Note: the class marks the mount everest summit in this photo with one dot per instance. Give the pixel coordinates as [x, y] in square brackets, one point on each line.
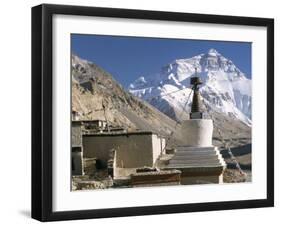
[225, 90]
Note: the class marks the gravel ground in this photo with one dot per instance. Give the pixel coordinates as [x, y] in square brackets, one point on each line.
[234, 176]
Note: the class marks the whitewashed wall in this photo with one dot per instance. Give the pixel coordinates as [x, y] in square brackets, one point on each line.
[133, 150]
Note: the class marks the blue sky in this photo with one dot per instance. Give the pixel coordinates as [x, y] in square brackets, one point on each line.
[128, 58]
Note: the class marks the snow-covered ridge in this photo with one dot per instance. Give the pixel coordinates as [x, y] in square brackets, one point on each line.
[226, 89]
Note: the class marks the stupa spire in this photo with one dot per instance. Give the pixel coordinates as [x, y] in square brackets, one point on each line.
[196, 107]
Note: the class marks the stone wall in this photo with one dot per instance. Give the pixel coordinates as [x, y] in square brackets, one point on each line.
[216, 179]
[158, 145]
[77, 149]
[156, 178]
[133, 150]
[89, 166]
[76, 134]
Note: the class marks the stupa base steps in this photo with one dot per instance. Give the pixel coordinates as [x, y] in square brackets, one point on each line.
[198, 165]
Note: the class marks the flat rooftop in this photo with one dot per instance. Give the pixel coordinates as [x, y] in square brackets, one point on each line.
[121, 133]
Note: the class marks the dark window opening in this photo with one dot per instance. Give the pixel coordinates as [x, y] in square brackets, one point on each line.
[72, 164]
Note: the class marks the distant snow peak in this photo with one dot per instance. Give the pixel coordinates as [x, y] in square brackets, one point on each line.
[140, 82]
[226, 89]
[213, 52]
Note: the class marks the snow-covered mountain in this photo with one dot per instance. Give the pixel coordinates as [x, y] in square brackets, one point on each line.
[225, 88]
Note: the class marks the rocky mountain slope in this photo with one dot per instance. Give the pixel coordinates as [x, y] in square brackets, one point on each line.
[93, 88]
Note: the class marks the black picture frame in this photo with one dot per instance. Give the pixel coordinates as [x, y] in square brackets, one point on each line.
[42, 111]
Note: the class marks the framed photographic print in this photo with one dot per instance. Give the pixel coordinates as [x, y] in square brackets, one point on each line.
[145, 112]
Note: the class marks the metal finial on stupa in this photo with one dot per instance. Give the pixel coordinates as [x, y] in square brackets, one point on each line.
[196, 107]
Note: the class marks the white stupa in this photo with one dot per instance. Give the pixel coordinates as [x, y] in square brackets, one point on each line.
[198, 160]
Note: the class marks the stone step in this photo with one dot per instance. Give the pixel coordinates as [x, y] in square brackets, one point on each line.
[188, 148]
[189, 153]
[178, 166]
[194, 153]
[185, 161]
[194, 157]
[197, 152]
